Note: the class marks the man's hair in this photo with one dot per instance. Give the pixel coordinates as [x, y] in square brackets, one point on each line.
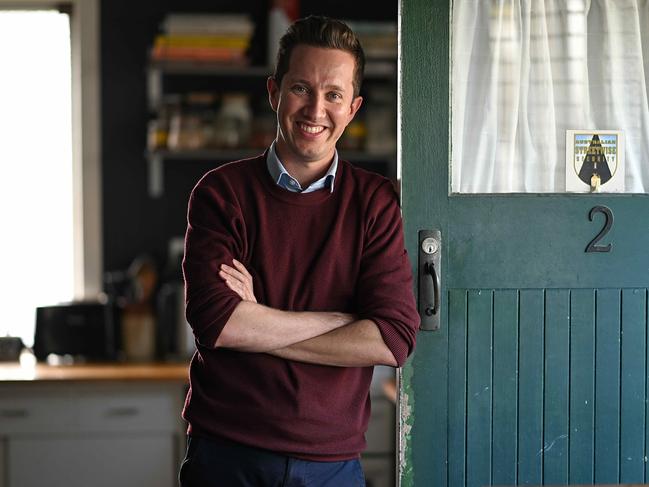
[323, 32]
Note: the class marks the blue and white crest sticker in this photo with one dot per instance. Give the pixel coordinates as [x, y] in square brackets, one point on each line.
[595, 161]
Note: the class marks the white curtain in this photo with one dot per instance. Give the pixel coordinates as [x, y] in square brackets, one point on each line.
[525, 71]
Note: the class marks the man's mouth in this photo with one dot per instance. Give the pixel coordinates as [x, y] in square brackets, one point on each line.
[310, 129]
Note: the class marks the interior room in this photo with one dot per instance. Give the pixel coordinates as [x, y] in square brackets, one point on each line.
[94, 360]
[512, 139]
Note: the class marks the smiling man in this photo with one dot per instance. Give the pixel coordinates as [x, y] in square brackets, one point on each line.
[297, 284]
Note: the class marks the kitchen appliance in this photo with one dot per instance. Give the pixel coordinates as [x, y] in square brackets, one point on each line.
[10, 348]
[85, 330]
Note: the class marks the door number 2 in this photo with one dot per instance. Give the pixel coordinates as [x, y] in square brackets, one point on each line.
[608, 223]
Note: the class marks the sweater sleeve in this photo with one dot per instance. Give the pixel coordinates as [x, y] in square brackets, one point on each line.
[215, 235]
[385, 288]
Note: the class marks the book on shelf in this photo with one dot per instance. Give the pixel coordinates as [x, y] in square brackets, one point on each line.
[200, 54]
[379, 39]
[208, 24]
[209, 38]
[193, 40]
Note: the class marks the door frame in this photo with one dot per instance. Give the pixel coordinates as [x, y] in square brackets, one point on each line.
[423, 136]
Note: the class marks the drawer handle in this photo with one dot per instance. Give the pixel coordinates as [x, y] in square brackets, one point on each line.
[122, 412]
[14, 413]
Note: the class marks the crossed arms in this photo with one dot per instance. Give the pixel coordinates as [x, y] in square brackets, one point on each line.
[325, 338]
[224, 313]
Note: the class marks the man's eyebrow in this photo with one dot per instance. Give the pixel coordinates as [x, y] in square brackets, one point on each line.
[335, 87]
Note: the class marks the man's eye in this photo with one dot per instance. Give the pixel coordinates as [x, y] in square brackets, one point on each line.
[299, 89]
[335, 96]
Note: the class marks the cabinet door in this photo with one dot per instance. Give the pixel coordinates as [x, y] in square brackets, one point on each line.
[98, 461]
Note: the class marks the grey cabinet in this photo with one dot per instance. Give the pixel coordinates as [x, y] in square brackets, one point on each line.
[99, 434]
[98, 460]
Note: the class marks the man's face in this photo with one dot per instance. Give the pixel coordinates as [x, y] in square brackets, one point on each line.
[314, 104]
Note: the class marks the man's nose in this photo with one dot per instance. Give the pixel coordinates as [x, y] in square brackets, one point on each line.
[315, 107]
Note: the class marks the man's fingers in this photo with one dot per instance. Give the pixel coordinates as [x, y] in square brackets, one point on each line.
[237, 288]
[233, 273]
[241, 268]
[242, 290]
[238, 280]
[232, 287]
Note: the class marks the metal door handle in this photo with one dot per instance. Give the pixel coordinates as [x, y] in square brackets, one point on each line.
[429, 279]
[430, 270]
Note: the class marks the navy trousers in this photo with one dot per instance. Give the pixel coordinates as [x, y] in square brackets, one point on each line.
[212, 463]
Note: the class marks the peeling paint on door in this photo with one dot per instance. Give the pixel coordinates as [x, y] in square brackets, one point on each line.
[405, 423]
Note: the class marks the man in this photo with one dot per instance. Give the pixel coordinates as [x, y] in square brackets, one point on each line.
[297, 283]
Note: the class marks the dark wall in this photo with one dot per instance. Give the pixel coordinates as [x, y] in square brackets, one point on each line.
[133, 222]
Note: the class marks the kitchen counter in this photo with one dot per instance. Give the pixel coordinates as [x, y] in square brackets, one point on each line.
[99, 424]
[13, 372]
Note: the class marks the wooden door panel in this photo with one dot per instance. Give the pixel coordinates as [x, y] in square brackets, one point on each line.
[582, 386]
[457, 357]
[479, 392]
[505, 385]
[556, 386]
[607, 386]
[526, 370]
[633, 377]
[530, 386]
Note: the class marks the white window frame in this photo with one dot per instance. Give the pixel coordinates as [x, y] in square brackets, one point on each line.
[86, 139]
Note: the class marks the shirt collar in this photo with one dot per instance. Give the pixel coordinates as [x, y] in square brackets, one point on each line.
[283, 179]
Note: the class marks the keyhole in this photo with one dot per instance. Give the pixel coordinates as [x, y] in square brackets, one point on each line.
[429, 245]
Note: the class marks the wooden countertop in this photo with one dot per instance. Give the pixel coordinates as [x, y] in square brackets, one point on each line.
[15, 372]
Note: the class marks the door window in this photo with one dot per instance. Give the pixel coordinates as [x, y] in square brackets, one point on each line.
[541, 91]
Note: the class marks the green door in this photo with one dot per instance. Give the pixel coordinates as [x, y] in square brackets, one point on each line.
[538, 372]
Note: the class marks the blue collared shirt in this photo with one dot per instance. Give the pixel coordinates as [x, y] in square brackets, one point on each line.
[284, 180]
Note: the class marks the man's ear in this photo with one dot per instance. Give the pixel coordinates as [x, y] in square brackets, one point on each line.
[273, 92]
[356, 104]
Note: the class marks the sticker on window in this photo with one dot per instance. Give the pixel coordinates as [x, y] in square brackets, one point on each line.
[594, 161]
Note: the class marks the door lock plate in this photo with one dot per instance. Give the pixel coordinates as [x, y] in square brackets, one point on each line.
[429, 268]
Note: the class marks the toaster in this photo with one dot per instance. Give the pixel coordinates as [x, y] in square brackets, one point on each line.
[84, 330]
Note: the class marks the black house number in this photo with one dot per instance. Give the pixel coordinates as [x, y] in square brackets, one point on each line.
[608, 223]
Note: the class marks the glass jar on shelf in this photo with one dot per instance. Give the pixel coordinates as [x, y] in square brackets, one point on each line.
[158, 127]
[191, 126]
[233, 122]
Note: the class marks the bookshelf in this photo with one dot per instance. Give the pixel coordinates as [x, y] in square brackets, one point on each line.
[172, 84]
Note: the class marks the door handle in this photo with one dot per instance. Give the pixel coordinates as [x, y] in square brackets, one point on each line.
[429, 279]
[430, 269]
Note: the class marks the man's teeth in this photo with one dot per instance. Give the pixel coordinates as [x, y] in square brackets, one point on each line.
[311, 130]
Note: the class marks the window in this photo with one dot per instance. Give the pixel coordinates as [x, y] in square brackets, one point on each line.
[49, 182]
[526, 72]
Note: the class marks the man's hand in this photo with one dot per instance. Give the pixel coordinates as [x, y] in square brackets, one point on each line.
[239, 280]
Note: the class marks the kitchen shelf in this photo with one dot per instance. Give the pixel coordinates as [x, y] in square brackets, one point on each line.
[163, 74]
[374, 70]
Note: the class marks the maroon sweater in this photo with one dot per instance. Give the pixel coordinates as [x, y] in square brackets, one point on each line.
[321, 251]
